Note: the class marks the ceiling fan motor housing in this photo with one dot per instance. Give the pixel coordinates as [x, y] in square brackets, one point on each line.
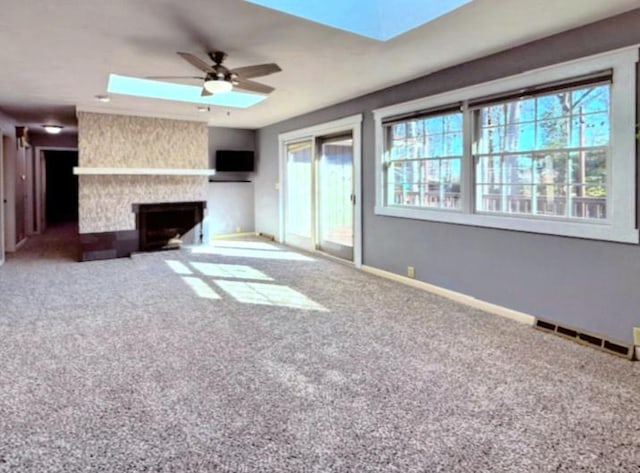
[217, 56]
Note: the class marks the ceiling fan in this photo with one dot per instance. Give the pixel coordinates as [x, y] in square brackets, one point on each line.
[219, 79]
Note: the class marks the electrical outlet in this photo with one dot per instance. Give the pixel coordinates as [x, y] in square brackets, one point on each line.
[277, 186]
[636, 336]
[238, 229]
[411, 272]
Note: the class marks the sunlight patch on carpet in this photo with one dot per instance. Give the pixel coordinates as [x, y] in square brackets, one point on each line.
[178, 267]
[201, 288]
[235, 271]
[250, 245]
[250, 253]
[268, 294]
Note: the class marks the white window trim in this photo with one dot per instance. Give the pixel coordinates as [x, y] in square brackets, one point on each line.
[621, 204]
[351, 123]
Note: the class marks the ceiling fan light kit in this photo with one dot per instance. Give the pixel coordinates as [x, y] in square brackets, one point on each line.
[218, 86]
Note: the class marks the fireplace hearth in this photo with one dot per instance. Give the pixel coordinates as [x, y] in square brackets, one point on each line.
[160, 226]
[165, 226]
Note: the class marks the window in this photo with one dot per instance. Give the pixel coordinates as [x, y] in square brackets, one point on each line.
[548, 151]
[425, 161]
[546, 155]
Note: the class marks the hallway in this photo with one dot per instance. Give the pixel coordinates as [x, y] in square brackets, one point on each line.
[59, 243]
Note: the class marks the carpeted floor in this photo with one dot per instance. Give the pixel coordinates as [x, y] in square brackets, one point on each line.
[248, 357]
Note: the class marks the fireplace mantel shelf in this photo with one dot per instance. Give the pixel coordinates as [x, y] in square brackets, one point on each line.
[143, 171]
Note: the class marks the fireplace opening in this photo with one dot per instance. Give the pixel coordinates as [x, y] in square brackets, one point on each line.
[165, 226]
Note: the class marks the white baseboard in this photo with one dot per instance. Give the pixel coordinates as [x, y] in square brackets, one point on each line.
[455, 296]
[20, 244]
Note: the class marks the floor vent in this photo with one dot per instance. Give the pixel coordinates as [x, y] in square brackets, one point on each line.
[586, 338]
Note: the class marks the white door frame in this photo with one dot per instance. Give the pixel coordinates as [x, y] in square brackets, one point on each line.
[30, 194]
[40, 184]
[8, 193]
[351, 124]
[2, 216]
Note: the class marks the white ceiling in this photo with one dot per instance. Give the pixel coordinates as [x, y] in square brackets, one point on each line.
[55, 56]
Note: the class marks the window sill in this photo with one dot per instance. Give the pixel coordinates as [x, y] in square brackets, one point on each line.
[588, 230]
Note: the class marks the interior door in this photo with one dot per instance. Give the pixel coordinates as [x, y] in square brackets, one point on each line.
[335, 196]
[299, 190]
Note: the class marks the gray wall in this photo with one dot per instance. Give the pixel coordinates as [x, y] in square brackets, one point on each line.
[229, 138]
[63, 140]
[589, 284]
[230, 196]
[229, 208]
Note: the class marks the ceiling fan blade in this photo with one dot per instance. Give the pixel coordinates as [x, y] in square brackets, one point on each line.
[258, 70]
[251, 86]
[196, 62]
[174, 78]
[205, 93]
[183, 22]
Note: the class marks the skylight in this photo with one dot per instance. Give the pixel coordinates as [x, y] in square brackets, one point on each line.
[178, 92]
[377, 19]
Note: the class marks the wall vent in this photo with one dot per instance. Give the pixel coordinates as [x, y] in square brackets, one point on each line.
[586, 338]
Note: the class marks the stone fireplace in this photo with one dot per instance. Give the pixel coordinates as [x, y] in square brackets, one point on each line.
[139, 172]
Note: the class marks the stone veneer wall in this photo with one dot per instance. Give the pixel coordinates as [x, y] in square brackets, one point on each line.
[120, 141]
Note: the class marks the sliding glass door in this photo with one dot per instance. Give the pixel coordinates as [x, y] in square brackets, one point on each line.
[319, 195]
[299, 191]
[335, 196]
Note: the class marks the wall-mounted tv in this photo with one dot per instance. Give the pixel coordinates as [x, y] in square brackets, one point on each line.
[234, 161]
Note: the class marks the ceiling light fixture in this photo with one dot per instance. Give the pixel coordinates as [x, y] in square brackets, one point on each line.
[53, 129]
[217, 86]
[103, 98]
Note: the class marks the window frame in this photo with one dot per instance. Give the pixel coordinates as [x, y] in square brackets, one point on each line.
[620, 224]
[604, 78]
[423, 158]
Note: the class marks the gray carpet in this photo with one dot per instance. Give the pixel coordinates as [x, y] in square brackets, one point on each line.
[120, 366]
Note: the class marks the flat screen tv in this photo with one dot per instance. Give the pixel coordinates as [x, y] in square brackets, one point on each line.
[234, 161]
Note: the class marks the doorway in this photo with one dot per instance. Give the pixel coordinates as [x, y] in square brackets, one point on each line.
[60, 187]
[320, 172]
